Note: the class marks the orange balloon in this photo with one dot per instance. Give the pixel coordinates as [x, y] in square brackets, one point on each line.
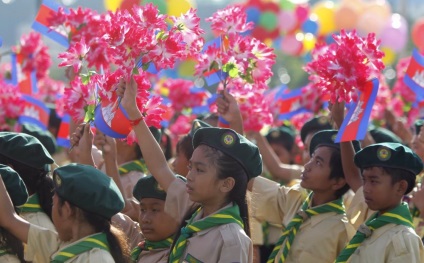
[347, 16]
[374, 17]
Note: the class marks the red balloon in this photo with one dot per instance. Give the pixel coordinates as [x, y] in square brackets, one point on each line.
[418, 34]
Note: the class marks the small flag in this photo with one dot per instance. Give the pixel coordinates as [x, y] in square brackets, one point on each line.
[27, 82]
[41, 23]
[414, 76]
[215, 76]
[355, 124]
[35, 112]
[289, 103]
[63, 133]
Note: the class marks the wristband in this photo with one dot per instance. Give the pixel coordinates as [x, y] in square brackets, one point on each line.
[136, 121]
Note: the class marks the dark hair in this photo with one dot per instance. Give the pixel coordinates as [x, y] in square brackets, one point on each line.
[118, 243]
[185, 146]
[36, 181]
[398, 175]
[12, 244]
[226, 167]
[337, 170]
[167, 143]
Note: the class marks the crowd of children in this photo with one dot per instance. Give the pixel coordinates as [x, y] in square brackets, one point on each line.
[225, 196]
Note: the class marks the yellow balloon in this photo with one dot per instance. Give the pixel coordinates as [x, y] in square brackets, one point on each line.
[309, 42]
[389, 56]
[178, 7]
[112, 5]
[325, 12]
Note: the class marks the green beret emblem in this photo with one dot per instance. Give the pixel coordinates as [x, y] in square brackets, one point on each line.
[275, 134]
[228, 139]
[333, 137]
[322, 120]
[383, 154]
[57, 180]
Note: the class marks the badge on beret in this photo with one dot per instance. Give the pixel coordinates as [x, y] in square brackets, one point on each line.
[57, 180]
[275, 134]
[383, 154]
[333, 137]
[228, 139]
[322, 120]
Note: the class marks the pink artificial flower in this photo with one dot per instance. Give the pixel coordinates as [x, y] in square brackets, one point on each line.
[147, 17]
[74, 56]
[12, 106]
[231, 19]
[77, 98]
[49, 89]
[153, 111]
[184, 95]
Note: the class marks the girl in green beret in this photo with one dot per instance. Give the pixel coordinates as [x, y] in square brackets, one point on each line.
[211, 206]
[84, 201]
[11, 248]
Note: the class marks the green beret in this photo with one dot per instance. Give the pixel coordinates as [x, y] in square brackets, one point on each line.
[318, 123]
[148, 187]
[380, 135]
[326, 138]
[197, 124]
[14, 185]
[282, 135]
[89, 189]
[157, 133]
[389, 155]
[418, 124]
[24, 148]
[232, 144]
[45, 137]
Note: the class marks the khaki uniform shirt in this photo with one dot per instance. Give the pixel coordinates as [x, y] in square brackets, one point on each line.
[390, 243]
[9, 259]
[45, 243]
[224, 243]
[320, 238]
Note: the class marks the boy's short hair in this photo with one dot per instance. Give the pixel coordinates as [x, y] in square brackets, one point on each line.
[397, 160]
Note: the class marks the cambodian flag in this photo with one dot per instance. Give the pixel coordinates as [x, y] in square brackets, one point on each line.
[27, 82]
[414, 77]
[288, 103]
[355, 124]
[41, 23]
[35, 112]
[63, 133]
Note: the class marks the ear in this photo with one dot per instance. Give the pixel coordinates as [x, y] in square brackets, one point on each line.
[401, 187]
[67, 210]
[338, 183]
[227, 184]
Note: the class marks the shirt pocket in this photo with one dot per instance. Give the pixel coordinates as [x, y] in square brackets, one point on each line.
[190, 259]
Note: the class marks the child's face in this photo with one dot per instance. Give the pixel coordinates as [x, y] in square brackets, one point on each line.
[203, 185]
[155, 224]
[282, 153]
[61, 221]
[379, 192]
[316, 173]
[417, 146]
[180, 163]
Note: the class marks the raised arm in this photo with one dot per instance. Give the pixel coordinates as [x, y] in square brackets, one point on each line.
[277, 169]
[352, 173]
[8, 217]
[152, 153]
[230, 111]
[83, 138]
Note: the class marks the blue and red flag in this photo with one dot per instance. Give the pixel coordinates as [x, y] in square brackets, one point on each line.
[355, 124]
[288, 103]
[35, 112]
[215, 76]
[63, 133]
[41, 23]
[414, 76]
[27, 82]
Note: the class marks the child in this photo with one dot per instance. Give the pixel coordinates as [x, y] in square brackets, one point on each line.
[31, 160]
[213, 199]
[157, 226]
[388, 171]
[12, 249]
[316, 124]
[84, 201]
[316, 229]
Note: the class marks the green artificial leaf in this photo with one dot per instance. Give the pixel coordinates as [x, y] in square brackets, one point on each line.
[231, 69]
[89, 113]
[135, 70]
[85, 78]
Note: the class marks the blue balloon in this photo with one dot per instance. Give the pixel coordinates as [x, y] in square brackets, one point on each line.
[310, 26]
[253, 14]
[329, 39]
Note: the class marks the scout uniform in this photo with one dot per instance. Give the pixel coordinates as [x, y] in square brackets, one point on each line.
[28, 150]
[310, 234]
[18, 194]
[218, 237]
[387, 237]
[90, 190]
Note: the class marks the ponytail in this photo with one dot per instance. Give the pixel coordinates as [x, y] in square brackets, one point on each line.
[37, 181]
